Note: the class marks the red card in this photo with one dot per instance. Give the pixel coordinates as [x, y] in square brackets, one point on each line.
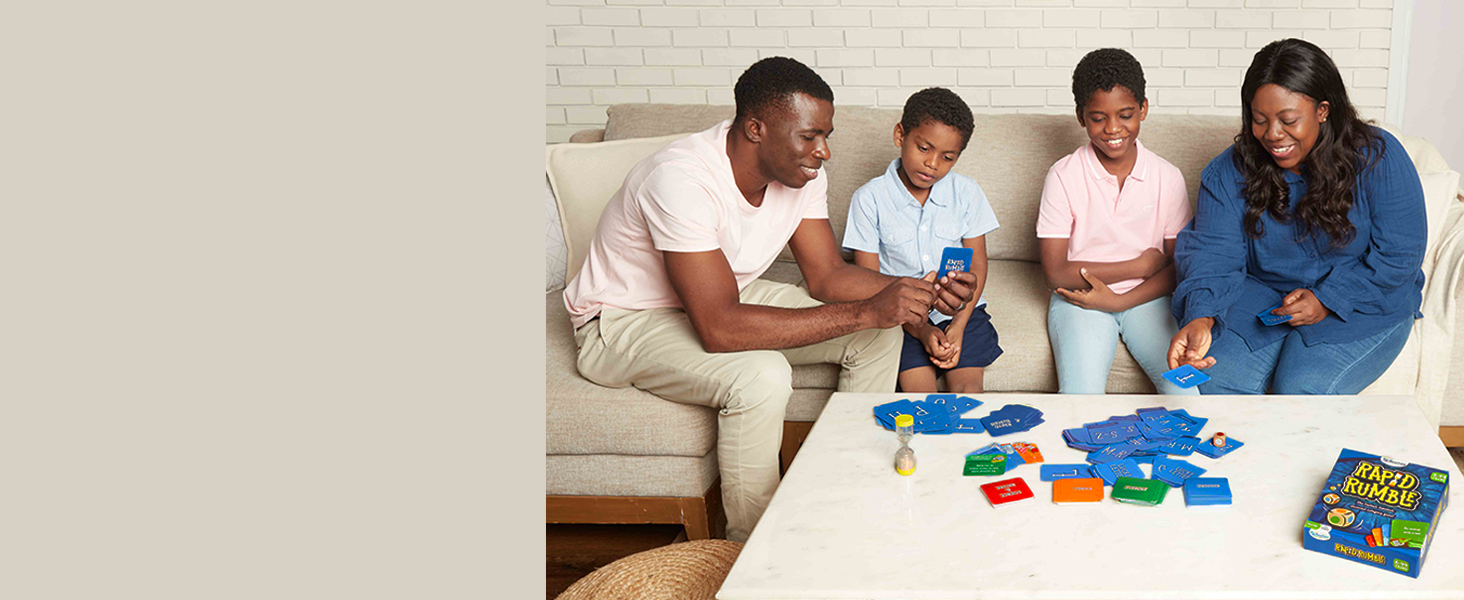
[1007, 491]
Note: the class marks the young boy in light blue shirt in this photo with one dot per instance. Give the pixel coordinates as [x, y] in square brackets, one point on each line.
[902, 221]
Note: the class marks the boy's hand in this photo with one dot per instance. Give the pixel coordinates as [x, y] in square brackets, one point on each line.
[936, 344]
[1099, 297]
[1303, 306]
[954, 339]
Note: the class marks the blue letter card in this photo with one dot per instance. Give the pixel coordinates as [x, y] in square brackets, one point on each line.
[1270, 319]
[1186, 376]
[954, 259]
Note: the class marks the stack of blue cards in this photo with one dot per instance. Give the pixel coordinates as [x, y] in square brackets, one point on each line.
[1012, 418]
[936, 414]
[1207, 491]
[1143, 437]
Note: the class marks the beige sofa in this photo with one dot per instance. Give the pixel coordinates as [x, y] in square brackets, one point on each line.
[624, 455]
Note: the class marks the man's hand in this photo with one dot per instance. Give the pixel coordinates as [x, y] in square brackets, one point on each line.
[953, 291]
[937, 345]
[1154, 261]
[1098, 297]
[905, 301]
[1303, 306]
[1191, 344]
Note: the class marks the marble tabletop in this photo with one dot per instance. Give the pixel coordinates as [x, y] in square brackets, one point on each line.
[843, 524]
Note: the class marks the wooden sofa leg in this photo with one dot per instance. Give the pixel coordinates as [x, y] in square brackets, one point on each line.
[1453, 437]
[794, 432]
[694, 519]
[703, 517]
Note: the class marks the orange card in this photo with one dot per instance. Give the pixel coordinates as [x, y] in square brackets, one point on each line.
[1070, 491]
[1028, 452]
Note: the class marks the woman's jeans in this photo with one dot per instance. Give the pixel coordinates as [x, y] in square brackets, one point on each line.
[1289, 366]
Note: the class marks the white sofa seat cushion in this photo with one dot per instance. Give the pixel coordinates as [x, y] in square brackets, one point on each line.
[615, 475]
[583, 417]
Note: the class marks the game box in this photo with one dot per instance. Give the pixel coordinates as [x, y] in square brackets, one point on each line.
[1377, 511]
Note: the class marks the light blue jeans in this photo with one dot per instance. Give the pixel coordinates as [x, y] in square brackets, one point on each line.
[1084, 342]
[1288, 366]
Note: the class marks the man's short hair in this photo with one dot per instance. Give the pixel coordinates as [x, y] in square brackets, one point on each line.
[942, 106]
[1103, 69]
[771, 83]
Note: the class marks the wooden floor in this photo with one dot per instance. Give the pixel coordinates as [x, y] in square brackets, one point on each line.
[575, 550]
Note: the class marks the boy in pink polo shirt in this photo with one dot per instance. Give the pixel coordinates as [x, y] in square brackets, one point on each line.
[1106, 228]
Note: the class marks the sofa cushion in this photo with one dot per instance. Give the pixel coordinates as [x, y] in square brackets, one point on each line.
[614, 475]
[583, 178]
[583, 417]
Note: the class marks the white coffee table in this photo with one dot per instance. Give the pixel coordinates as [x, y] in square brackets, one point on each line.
[843, 524]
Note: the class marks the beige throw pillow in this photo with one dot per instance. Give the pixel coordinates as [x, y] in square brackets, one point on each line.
[584, 177]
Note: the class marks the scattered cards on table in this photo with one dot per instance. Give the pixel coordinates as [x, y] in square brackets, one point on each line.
[940, 414]
[1117, 445]
[936, 414]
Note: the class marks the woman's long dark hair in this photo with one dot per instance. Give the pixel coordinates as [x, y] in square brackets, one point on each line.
[1344, 145]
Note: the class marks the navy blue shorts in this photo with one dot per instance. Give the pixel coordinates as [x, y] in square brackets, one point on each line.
[979, 346]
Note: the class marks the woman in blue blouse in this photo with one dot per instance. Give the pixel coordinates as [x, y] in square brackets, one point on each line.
[1311, 210]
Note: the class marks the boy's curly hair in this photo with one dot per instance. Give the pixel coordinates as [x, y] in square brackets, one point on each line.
[772, 81]
[1103, 69]
[942, 106]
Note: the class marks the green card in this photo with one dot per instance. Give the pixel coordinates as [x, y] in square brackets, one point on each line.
[985, 464]
[1132, 490]
[1410, 531]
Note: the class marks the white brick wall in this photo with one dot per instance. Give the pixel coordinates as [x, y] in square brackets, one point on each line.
[1000, 55]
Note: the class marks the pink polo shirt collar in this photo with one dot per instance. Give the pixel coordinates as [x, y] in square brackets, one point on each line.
[1098, 173]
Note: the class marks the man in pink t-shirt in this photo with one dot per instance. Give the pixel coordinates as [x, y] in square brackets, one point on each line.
[669, 298]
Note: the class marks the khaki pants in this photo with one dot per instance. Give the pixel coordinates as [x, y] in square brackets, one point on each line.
[658, 351]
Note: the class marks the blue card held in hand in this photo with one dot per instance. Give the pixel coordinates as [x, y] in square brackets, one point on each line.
[1269, 319]
[954, 259]
[1186, 376]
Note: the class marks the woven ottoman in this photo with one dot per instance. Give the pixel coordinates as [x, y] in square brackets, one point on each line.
[686, 571]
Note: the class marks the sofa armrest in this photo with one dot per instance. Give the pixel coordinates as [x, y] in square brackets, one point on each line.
[1443, 286]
